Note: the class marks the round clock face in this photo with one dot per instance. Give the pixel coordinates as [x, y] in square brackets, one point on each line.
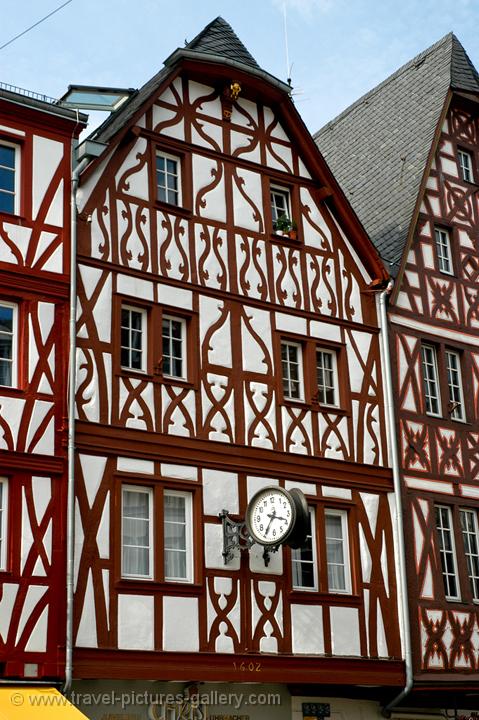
[270, 516]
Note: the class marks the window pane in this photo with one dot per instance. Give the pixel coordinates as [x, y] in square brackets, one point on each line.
[173, 347]
[454, 381]
[176, 534]
[7, 156]
[7, 202]
[136, 532]
[471, 548]
[335, 552]
[304, 560]
[446, 551]
[132, 333]
[7, 179]
[431, 386]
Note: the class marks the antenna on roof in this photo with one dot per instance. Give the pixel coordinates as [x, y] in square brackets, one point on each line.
[288, 66]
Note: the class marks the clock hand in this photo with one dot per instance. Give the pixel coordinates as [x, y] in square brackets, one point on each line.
[269, 524]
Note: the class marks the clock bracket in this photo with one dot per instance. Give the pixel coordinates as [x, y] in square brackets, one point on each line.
[236, 536]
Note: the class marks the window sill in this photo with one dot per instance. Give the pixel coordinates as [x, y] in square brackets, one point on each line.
[12, 391]
[173, 209]
[313, 597]
[156, 378]
[315, 407]
[285, 240]
[164, 587]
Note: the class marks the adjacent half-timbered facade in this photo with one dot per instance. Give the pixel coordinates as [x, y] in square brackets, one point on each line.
[428, 229]
[223, 348]
[35, 168]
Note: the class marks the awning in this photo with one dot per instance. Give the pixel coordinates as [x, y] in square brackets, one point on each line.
[27, 702]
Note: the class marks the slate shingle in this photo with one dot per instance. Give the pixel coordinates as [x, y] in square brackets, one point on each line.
[378, 147]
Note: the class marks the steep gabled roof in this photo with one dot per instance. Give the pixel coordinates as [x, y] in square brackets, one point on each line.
[217, 41]
[219, 38]
[378, 147]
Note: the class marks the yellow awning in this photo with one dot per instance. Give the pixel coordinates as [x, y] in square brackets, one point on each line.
[27, 702]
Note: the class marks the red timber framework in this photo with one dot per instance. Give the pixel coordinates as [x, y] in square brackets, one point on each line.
[435, 318]
[434, 334]
[35, 147]
[196, 260]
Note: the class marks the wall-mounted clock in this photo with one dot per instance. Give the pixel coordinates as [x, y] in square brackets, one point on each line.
[275, 516]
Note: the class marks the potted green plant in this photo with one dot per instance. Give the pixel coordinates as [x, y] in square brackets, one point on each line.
[282, 225]
[293, 232]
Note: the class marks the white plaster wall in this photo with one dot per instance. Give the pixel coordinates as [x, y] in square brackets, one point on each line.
[220, 492]
[307, 629]
[136, 622]
[180, 624]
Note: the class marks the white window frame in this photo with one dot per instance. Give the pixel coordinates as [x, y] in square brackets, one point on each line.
[177, 160]
[144, 337]
[465, 163]
[14, 307]
[466, 533]
[458, 413]
[184, 347]
[4, 523]
[343, 514]
[285, 193]
[333, 354]
[16, 199]
[296, 559]
[443, 251]
[299, 348]
[188, 535]
[442, 552]
[148, 491]
[431, 381]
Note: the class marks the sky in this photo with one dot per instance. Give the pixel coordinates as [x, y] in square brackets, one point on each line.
[338, 49]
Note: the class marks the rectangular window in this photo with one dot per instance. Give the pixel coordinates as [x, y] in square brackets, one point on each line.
[430, 378]
[454, 383]
[337, 550]
[133, 338]
[443, 250]
[471, 547]
[178, 545]
[291, 362]
[137, 532]
[279, 203]
[168, 178]
[304, 561]
[9, 177]
[447, 552]
[8, 344]
[174, 347]
[3, 522]
[465, 163]
[326, 375]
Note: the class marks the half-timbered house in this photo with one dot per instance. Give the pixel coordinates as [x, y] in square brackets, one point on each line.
[36, 138]
[228, 340]
[407, 156]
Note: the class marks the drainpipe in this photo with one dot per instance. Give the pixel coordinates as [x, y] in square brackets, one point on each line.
[71, 423]
[401, 555]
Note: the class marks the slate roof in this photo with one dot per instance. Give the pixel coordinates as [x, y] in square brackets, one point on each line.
[217, 39]
[378, 147]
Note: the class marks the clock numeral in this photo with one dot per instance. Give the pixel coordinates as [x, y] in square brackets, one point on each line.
[281, 529]
[260, 509]
[258, 518]
[274, 533]
[261, 528]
